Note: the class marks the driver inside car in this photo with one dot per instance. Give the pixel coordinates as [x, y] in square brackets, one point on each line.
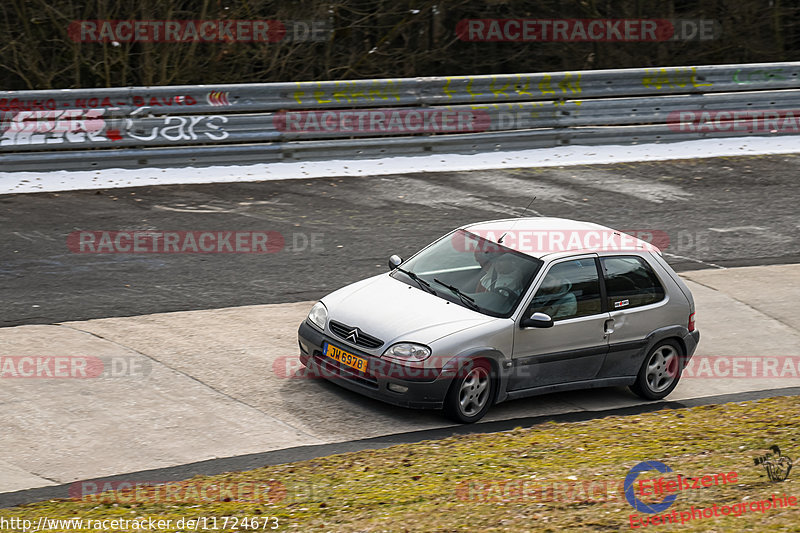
[502, 273]
[554, 298]
[484, 259]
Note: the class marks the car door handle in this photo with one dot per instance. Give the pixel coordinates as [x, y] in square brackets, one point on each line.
[608, 327]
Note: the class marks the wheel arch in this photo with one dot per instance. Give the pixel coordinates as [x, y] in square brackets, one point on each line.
[676, 333]
[495, 358]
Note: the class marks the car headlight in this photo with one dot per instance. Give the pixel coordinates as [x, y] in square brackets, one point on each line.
[318, 315]
[407, 351]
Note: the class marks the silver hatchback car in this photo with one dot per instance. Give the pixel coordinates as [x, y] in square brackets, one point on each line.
[507, 309]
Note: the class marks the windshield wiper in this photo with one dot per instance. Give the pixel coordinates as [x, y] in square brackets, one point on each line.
[466, 300]
[424, 285]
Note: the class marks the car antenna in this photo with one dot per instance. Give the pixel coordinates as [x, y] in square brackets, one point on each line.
[500, 240]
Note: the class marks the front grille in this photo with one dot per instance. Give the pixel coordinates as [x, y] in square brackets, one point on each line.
[363, 340]
[332, 369]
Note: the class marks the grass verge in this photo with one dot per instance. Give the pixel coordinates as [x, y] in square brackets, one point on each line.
[550, 477]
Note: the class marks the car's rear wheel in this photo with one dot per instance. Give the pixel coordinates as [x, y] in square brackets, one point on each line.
[471, 393]
[660, 371]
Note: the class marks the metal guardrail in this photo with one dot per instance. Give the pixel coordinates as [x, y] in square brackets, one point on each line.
[249, 123]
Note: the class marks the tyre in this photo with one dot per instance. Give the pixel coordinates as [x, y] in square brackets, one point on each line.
[660, 372]
[471, 394]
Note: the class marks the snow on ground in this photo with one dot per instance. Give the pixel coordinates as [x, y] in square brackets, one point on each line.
[62, 180]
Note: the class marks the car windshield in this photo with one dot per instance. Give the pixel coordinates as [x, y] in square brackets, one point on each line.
[471, 271]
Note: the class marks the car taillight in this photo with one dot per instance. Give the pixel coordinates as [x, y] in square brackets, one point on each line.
[691, 322]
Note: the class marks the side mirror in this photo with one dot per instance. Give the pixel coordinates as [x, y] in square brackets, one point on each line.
[395, 261]
[537, 320]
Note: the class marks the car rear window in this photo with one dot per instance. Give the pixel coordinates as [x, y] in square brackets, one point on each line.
[630, 282]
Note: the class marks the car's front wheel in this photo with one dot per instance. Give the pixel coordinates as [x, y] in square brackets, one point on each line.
[660, 371]
[471, 393]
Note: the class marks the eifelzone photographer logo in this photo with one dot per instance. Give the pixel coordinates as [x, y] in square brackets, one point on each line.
[639, 493]
[777, 466]
[630, 494]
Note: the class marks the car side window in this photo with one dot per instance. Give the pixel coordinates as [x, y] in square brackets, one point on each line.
[630, 282]
[569, 290]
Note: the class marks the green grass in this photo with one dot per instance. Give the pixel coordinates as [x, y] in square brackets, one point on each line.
[456, 484]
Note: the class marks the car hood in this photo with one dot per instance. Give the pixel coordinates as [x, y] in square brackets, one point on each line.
[394, 311]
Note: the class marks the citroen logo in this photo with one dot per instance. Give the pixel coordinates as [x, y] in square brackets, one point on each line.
[352, 336]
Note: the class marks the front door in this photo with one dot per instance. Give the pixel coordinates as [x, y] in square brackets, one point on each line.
[574, 348]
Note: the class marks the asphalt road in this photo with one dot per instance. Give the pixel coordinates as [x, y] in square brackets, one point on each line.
[717, 212]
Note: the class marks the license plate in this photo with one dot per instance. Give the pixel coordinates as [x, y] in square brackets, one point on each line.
[347, 359]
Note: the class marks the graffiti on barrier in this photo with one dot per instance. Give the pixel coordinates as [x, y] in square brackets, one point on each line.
[349, 92]
[179, 128]
[100, 126]
[660, 78]
[51, 104]
[544, 85]
[758, 76]
[53, 127]
[218, 98]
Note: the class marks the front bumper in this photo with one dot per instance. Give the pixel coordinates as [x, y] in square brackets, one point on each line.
[425, 388]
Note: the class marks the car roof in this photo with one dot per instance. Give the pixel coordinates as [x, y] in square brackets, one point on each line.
[542, 237]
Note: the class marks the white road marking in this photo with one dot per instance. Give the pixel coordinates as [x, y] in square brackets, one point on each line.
[527, 186]
[738, 228]
[694, 260]
[647, 188]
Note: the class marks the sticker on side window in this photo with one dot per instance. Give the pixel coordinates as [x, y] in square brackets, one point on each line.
[621, 303]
